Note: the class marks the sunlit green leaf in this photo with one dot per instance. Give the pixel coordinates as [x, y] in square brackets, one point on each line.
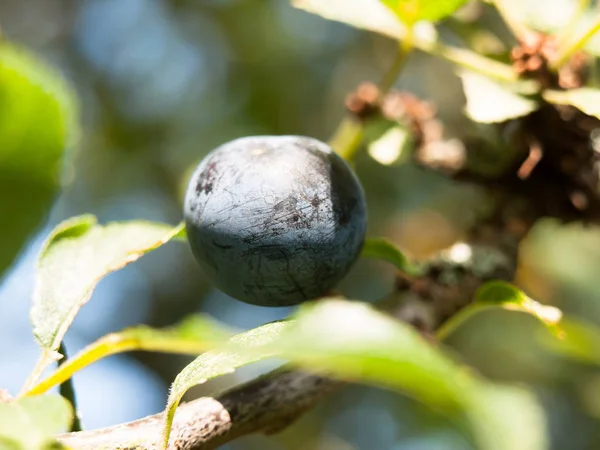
[411, 11]
[380, 248]
[217, 363]
[370, 15]
[489, 101]
[75, 257]
[568, 336]
[31, 423]
[355, 342]
[586, 100]
[37, 127]
[192, 336]
[181, 235]
[500, 294]
[579, 340]
[510, 297]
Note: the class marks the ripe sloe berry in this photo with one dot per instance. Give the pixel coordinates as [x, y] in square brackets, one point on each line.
[275, 220]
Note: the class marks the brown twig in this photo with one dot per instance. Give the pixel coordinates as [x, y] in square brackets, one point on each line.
[267, 404]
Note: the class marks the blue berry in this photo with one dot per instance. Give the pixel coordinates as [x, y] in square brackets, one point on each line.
[275, 220]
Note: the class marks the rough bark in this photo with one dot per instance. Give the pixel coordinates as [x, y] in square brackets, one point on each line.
[267, 404]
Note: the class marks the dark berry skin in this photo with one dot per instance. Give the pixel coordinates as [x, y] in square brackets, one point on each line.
[275, 220]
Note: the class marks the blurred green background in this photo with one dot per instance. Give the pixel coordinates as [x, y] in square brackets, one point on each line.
[160, 84]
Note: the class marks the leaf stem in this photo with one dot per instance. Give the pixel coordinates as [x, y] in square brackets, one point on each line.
[568, 49]
[389, 78]
[458, 319]
[349, 134]
[472, 61]
[67, 390]
[112, 344]
[37, 372]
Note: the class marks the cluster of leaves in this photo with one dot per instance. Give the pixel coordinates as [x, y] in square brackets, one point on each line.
[337, 337]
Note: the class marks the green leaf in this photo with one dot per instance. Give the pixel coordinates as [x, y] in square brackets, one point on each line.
[37, 127]
[192, 336]
[586, 100]
[220, 362]
[370, 15]
[489, 101]
[500, 294]
[355, 342]
[31, 423]
[75, 257]
[571, 337]
[579, 341]
[181, 235]
[380, 248]
[411, 11]
[510, 297]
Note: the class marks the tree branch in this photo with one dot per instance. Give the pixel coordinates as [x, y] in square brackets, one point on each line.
[265, 405]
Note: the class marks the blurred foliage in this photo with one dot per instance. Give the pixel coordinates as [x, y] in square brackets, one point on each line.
[31, 423]
[411, 11]
[37, 126]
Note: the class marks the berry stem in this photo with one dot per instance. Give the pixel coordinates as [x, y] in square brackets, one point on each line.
[347, 137]
[349, 134]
